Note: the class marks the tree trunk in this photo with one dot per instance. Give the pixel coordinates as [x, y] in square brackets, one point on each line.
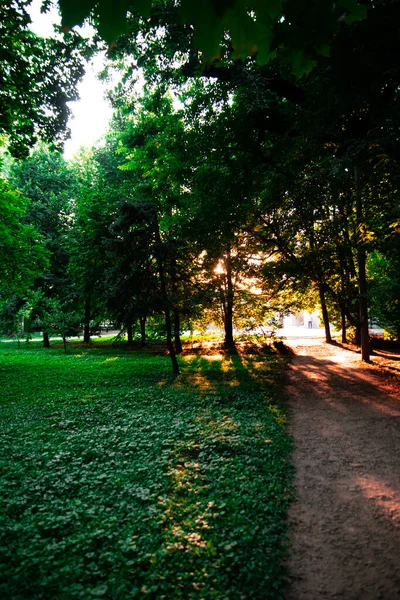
[344, 331]
[177, 332]
[164, 295]
[171, 349]
[325, 315]
[86, 327]
[228, 324]
[362, 276]
[174, 290]
[46, 340]
[129, 331]
[357, 335]
[142, 321]
[362, 285]
[228, 305]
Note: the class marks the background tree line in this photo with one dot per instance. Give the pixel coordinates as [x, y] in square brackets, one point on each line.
[229, 192]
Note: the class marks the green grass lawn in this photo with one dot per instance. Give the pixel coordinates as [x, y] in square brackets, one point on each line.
[119, 481]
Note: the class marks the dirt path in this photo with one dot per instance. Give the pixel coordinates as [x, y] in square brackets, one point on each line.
[345, 525]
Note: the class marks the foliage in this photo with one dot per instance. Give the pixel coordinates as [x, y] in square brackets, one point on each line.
[22, 253]
[259, 187]
[50, 184]
[121, 482]
[300, 29]
[38, 77]
[47, 180]
[42, 313]
[384, 277]
[93, 208]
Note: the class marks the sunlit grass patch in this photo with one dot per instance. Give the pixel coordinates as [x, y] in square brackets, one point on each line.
[119, 481]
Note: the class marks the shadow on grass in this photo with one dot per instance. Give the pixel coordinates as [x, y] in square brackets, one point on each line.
[248, 368]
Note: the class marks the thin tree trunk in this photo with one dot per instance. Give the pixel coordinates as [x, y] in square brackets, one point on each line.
[228, 305]
[164, 295]
[177, 332]
[325, 315]
[350, 317]
[344, 331]
[46, 340]
[362, 276]
[86, 327]
[142, 321]
[129, 331]
[174, 290]
[347, 248]
[171, 349]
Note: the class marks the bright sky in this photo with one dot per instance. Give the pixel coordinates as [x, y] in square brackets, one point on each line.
[91, 114]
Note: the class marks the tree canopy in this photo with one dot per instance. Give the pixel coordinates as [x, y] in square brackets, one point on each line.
[300, 30]
[230, 191]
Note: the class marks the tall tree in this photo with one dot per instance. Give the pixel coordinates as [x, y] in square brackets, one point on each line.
[99, 188]
[154, 148]
[47, 181]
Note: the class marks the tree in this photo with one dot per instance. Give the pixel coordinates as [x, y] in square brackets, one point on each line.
[45, 179]
[256, 163]
[131, 284]
[221, 202]
[52, 315]
[384, 283]
[333, 146]
[23, 255]
[38, 77]
[93, 211]
[154, 148]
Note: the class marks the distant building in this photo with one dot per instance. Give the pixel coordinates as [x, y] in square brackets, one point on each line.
[302, 319]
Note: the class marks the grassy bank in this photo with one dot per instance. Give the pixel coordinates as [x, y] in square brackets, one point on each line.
[120, 482]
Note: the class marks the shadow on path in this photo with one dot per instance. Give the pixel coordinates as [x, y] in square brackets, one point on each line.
[345, 525]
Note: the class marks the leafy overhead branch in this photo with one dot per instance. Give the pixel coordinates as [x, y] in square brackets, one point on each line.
[299, 28]
[37, 78]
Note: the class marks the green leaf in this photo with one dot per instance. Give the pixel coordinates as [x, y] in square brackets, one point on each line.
[111, 15]
[242, 30]
[208, 27]
[324, 50]
[301, 62]
[112, 19]
[74, 12]
[355, 12]
[265, 36]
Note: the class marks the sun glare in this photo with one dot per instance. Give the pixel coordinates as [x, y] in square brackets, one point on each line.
[91, 113]
[220, 268]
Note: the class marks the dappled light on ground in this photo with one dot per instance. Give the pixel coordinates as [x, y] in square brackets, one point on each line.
[246, 366]
[386, 498]
[209, 371]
